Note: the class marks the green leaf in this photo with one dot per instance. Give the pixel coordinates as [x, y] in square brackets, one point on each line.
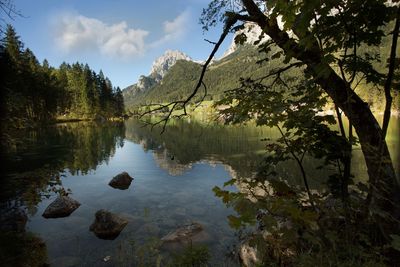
[395, 242]
[230, 182]
[234, 222]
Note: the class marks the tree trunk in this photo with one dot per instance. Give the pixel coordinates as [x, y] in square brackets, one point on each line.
[382, 177]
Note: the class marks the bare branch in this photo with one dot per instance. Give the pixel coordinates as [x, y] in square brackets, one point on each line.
[211, 42]
[231, 20]
[7, 7]
[204, 96]
[299, 163]
[389, 79]
[279, 71]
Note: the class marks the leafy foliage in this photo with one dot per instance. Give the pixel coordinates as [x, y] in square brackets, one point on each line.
[336, 42]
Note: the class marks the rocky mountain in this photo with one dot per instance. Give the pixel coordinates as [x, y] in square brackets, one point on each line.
[162, 64]
[176, 78]
[172, 79]
[159, 69]
[222, 75]
[252, 32]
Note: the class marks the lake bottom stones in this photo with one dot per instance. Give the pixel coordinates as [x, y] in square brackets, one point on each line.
[63, 206]
[121, 181]
[107, 225]
[184, 236]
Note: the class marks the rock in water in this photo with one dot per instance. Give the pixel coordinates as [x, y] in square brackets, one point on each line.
[178, 240]
[63, 206]
[121, 181]
[107, 225]
[183, 234]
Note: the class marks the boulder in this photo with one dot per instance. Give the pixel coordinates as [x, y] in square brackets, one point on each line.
[63, 206]
[122, 181]
[184, 233]
[176, 241]
[107, 225]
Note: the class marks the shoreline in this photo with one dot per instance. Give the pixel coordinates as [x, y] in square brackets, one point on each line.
[393, 112]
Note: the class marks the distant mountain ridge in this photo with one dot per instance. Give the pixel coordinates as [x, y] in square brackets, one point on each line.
[162, 65]
[159, 69]
[223, 74]
[174, 75]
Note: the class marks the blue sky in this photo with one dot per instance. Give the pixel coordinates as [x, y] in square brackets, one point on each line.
[121, 37]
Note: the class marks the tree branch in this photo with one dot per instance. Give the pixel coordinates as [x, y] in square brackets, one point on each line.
[230, 21]
[300, 164]
[279, 71]
[389, 79]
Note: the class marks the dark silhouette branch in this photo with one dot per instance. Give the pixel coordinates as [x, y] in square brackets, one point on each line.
[211, 42]
[8, 8]
[389, 79]
[300, 164]
[279, 71]
[230, 21]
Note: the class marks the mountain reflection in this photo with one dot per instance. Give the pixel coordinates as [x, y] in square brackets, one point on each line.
[184, 143]
[240, 148]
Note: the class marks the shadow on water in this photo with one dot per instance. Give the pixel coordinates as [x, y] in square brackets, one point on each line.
[174, 174]
[32, 167]
[242, 148]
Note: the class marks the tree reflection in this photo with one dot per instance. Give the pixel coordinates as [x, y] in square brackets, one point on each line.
[32, 167]
[240, 148]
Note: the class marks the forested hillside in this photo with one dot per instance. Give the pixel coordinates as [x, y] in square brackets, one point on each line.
[159, 69]
[33, 93]
[245, 62]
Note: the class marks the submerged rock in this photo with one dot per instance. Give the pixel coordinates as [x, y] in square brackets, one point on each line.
[121, 181]
[107, 225]
[63, 206]
[184, 233]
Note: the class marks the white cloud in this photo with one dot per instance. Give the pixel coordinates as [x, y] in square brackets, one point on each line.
[76, 33]
[175, 29]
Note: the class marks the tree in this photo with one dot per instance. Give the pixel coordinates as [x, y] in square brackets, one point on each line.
[329, 43]
[119, 102]
[12, 43]
[32, 93]
[324, 40]
[11, 82]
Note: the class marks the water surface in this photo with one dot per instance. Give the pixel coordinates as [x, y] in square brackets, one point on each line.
[174, 174]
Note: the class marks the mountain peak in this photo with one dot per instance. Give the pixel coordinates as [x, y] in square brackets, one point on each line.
[252, 32]
[160, 67]
[162, 64]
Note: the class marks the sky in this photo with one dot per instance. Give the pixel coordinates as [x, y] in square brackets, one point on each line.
[120, 37]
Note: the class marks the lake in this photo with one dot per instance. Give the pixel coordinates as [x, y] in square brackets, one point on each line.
[174, 174]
